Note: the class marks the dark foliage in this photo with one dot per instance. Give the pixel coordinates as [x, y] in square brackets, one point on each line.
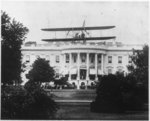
[29, 103]
[61, 81]
[13, 35]
[116, 93]
[11, 103]
[139, 69]
[41, 71]
[109, 97]
[42, 106]
[133, 94]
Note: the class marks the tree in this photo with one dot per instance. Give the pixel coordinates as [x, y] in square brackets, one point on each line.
[41, 71]
[139, 69]
[109, 97]
[31, 101]
[13, 35]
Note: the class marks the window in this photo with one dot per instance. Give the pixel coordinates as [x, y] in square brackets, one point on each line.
[83, 58]
[57, 58]
[27, 58]
[42, 56]
[92, 58]
[129, 59]
[109, 71]
[99, 58]
[119, 59]
[120, 70]
[74, 58]
[47, 57]
[67, 58]
[109, 59]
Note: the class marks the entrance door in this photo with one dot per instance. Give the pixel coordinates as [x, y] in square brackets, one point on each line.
[82, 74]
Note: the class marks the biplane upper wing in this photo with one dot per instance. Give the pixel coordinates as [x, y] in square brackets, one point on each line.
[78, 39]
[78, 28]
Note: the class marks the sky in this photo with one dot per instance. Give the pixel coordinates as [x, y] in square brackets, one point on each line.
[129, 18]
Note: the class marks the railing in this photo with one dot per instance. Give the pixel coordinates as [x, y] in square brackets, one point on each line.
[81, 45]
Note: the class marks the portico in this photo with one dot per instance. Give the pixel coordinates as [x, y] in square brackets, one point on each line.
[83, 66]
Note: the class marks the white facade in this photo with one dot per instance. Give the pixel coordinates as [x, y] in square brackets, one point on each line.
[83, 62]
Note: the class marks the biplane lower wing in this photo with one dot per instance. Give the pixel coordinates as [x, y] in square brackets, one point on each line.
[78, 39]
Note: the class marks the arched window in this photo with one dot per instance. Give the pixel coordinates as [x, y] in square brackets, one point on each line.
[57, 58]
[129, 59]
[109, 59]
[47, 57]
[120, 69]
[27, 58]
[67, 58]
[119, 59]
[109, 71]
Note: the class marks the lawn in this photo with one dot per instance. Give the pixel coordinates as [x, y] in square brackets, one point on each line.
[70, 94]
[76, 111]
[75, 105]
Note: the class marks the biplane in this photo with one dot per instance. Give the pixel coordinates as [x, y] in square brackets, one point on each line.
[79, 33]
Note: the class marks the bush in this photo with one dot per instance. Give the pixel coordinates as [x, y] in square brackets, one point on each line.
[116, 93]
[109, 97]
[11, 102]
[31, 102]
[133, 95]
[41, 106]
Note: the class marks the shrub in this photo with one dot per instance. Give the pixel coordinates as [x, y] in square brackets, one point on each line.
[109, 97]
[32, 102]
[116, 93]
[133, 94]
[41, 106]
[11, 102]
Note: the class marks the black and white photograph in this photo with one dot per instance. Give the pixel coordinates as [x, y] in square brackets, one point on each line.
[74, 60]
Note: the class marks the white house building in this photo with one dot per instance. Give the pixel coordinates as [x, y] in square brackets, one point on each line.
[83, 62]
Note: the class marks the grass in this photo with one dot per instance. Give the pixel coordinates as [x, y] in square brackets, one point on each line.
[82, 112]
[73, 94]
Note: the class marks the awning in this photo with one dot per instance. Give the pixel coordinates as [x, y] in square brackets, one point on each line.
[92, 71]
[65, 72]
[73, 71]
[100, 72]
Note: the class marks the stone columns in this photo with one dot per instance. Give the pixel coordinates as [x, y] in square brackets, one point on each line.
[69, 66]
[78, 71]
[64, 59]
[78, 65]
[102, 63]
[96, 77]
[87, 65]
